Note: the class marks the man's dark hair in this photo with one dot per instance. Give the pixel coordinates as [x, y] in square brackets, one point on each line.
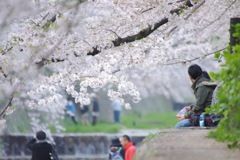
[127, 138]
[195, 71]
[41, 135]
[206, 75]
[69, 98]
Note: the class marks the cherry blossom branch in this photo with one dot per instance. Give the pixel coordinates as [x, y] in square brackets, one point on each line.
[195, 8]
[113, 32]
[194, 59]
[43, 18]
[147, 9]
[218, 17]
[119, 41]
[5, 108]
[140, 35]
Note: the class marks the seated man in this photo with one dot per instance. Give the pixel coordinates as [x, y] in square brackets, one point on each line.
[203, 96]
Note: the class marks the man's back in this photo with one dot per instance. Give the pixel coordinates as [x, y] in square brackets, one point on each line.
[40, 150]
[130, 151]
[203, 95]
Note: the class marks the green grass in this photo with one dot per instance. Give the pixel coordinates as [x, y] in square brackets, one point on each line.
[102, 127]
[131, 121]
[151, 121]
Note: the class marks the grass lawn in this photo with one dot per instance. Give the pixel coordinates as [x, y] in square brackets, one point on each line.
[131, 121]
[151, 121]
[102, 127]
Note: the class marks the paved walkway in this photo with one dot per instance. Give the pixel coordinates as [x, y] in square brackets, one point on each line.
[185, 144]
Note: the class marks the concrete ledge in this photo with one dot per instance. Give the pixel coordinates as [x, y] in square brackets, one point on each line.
[86, 157]
[68, 145]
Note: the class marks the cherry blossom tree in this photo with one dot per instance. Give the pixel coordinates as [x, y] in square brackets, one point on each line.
[131, 48]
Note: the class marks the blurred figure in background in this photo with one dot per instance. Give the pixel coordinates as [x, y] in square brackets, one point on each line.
[95, 110]
[116, 150]
[41, 148]
[117, 108]
[128, 146]
[84, 111]
[71, 110]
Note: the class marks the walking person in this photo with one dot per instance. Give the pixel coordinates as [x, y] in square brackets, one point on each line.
[128, 146]
[71, 110]
[117, 108]
[85, 111]
[41, 148]
[95, 110]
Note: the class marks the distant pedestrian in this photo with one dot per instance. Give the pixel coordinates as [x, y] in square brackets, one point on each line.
[71, 110]
[117, 108]
[116, 150]
[85, 112]
[95, 110]
[128, 146]
[41, 149]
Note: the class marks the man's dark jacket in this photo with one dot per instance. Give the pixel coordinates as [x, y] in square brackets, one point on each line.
[203, 96]
[40, 150]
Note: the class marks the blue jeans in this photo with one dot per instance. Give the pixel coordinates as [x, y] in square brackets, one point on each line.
[116, 116]
[183, 123]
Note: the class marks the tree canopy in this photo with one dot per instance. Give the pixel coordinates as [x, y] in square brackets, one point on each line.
[50, 45]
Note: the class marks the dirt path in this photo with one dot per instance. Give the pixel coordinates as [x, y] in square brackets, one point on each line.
[185, 144]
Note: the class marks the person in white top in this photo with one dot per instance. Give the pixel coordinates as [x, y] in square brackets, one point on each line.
[117, 108]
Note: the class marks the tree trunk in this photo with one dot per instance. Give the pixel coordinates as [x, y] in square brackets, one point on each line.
[233, 39]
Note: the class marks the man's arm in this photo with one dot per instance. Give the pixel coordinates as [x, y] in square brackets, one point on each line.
[31, 143]
[201, 97]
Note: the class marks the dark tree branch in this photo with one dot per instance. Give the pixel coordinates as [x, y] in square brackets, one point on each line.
[147, 9]
[140, 35]
[185, 5]
[43, 18]
[51, 20]
[4, 74]
[5, 108]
